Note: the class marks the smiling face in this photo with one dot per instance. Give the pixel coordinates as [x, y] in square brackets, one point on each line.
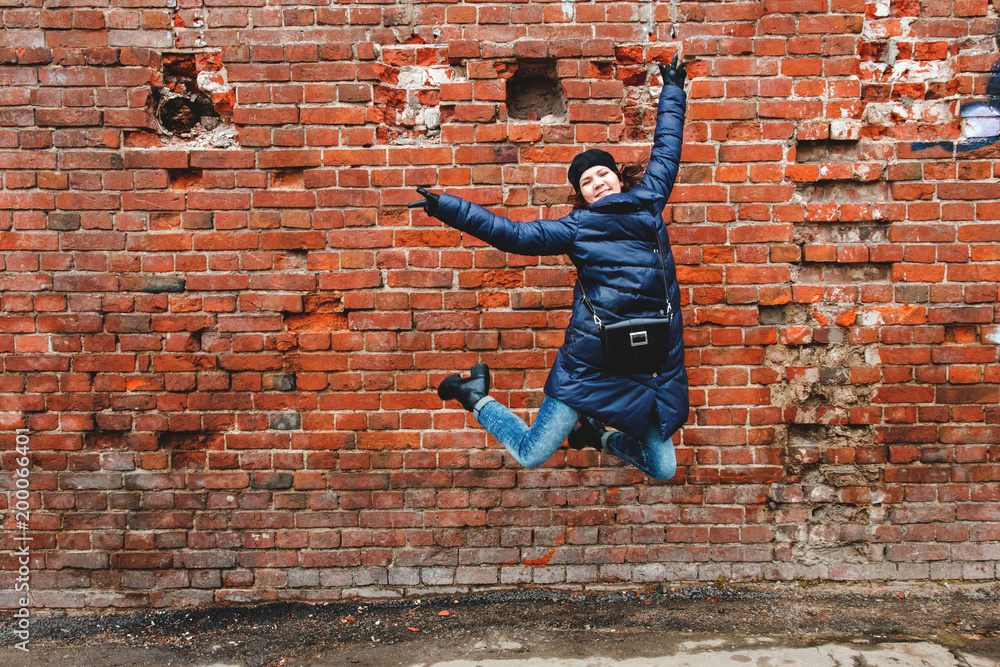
[597, 182]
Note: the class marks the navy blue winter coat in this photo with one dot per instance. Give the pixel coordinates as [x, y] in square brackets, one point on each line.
[613, 245]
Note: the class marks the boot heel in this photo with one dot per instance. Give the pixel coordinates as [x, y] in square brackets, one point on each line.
[480, 371]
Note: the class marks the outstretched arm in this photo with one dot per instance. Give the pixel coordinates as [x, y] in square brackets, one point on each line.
[541, 237]
[665, 158]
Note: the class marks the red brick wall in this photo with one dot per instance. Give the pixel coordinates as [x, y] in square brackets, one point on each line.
[224, 341]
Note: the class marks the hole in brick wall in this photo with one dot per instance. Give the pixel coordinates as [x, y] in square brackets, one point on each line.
[193, 341]
[323, 303]
[287, 179]
[177, 115]
[830, 273]
[322, 313]
[835, 232]
[192, 97]
[179, 102]
[826, 151]
[179, 67]
[771, 315]
[534, 91]
[838, 192]
[184, 179]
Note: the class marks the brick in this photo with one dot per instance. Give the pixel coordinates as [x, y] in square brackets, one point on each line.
[67, 117]
[219, 159]
[594, 113]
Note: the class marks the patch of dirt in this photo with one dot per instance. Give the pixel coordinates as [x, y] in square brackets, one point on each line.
[523, 624]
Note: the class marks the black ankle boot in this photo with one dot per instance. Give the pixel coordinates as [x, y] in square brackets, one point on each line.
[468, 391]
[587, 433]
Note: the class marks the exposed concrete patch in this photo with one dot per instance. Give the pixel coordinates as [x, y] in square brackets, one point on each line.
[704, 654]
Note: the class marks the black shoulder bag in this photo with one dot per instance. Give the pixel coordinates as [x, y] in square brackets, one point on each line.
[638, 346]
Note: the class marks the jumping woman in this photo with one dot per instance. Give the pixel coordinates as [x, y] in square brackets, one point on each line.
[622, 362]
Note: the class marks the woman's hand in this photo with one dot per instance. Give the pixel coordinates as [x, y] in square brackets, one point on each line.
[429, 201]
[672, 74]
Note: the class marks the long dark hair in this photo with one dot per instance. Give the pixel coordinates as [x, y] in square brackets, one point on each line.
[631, 174]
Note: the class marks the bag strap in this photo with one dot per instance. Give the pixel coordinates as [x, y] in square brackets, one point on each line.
[666, 284]
[666, 288]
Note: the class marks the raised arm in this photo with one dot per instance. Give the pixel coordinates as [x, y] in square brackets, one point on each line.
[540, 237]
[665, 158]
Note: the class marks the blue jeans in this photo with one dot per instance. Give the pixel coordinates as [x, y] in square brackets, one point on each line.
[533, 446]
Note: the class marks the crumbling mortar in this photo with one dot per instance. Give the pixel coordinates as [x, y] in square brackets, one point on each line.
[943, 111]
[841, 232]
[816, 356]
[820, 540]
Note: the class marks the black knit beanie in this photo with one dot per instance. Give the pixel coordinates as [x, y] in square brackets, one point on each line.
[588, 159]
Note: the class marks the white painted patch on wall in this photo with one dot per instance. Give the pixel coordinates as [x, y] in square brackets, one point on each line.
[879, 496]
[877, 114]
[818, 494]
[878, 31]
[842, 129]
[431, 118]
[923, 111]
[875, 32]
[871, 318]
[932, 111]
[567, 9]
[881, 9]
[646, 13]
[867, 172]
[423, 77]
[911, 71]
[428, 118]
[873, 69]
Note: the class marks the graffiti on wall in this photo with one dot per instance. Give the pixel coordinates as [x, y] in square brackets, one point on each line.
[980, 119]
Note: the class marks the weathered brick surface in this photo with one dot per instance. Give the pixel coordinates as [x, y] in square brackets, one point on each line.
[225, 339]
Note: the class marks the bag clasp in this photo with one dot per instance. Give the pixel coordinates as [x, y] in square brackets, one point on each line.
[638, 338]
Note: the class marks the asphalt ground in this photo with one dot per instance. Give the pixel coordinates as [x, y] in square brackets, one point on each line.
[852, 625]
